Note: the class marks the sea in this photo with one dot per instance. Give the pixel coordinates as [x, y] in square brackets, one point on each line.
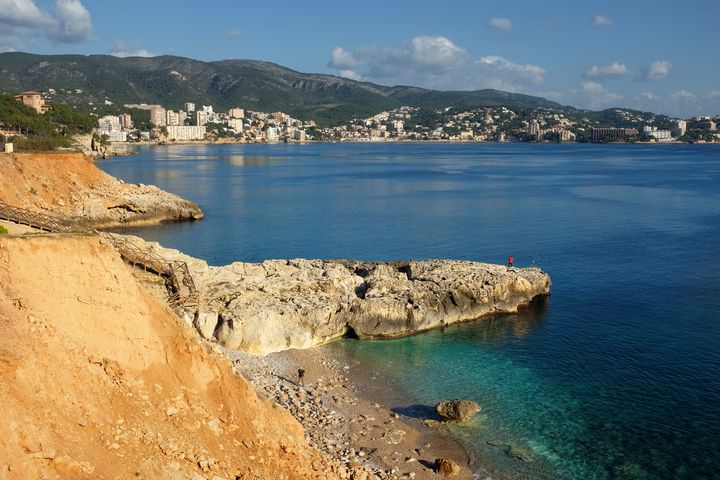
[615, 376]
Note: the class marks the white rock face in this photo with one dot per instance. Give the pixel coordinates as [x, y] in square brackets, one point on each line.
[279, 304]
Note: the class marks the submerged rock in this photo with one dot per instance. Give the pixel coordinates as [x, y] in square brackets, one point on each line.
[523, 454]
[457, 410]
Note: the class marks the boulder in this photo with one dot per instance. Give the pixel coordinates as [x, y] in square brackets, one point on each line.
[446, 467]
[457, 410]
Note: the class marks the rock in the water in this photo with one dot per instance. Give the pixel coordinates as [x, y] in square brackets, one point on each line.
[446, 467]
[457, 410]
[523, 454]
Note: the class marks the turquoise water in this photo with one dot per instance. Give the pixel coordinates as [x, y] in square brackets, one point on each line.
[615, 376]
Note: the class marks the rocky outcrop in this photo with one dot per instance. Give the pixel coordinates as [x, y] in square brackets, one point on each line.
[457, 410]
[282, 304]
[70, 185]
[279, 304]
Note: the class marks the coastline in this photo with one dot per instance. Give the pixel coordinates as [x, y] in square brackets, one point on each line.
[344, 418]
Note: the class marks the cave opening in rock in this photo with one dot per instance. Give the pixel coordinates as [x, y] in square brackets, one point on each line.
[350, 333]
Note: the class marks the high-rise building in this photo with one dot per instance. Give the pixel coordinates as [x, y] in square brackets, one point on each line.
[189, 107]
[172, 118]
[201, 118]
[680, 128]
[158, 116]
[236, 113]
[126, 121]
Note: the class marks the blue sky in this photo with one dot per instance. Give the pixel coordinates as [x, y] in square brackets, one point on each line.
[654, 55]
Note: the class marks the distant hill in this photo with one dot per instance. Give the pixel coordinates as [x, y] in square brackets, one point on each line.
[249, 84]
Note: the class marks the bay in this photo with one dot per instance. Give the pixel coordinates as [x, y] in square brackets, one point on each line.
[615, 376]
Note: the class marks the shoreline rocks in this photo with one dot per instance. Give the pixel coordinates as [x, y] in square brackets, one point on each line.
[457, 410]
[276, 305]
[281, 304]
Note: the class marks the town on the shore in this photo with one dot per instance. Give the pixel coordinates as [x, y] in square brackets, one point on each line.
[202, 123]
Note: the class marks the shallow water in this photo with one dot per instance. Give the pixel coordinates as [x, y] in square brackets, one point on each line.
[616, 376]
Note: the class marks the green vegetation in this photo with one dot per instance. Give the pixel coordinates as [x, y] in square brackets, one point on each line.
[38, 132]
[253, 85]
[3, 230]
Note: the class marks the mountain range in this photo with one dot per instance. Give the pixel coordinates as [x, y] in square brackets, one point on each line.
[254, 85]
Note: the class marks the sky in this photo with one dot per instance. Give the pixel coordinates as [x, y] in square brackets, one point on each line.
[662, 56]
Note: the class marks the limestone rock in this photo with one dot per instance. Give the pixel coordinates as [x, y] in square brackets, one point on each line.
[446, 467]
[275, 305]
[457, 410]
[281, 304]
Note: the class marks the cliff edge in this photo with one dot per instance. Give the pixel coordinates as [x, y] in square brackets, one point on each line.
[69, 184]
[100, 380]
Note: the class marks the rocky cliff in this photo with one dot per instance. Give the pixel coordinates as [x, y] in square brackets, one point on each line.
[280, 304]
[69, 184]
[99, 380]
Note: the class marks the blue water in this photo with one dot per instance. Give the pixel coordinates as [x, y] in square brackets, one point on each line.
[617, 375]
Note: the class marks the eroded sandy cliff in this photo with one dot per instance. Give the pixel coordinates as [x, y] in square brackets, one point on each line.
[100, 380]
[69, 184]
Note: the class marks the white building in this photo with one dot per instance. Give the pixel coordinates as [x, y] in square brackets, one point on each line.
[189, 107]
[173, 118]
[680, 128]
[299, 135]
[235, 124]
[201, 118]
[661, 135]
[186, 132]
[158, 116]
[271, 133]
[116, 136]
[109, 123]
[236, 113]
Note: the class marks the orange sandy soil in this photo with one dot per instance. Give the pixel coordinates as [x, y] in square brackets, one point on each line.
[100, 380]
[47, 180]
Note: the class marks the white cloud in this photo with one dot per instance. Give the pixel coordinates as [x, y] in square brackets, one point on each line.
[654, 71]
[680, 104]
[121, 50]
[351, 74]
[20, 20]
[436, 52]
[22, 13]
[682, 95]
[234, 33]
[71, 22]
[613, 70]
[342, 59]
[602, 21]
[498, 72]
[434, 62]
[588, 94]
[423, 55]
[500, 24]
